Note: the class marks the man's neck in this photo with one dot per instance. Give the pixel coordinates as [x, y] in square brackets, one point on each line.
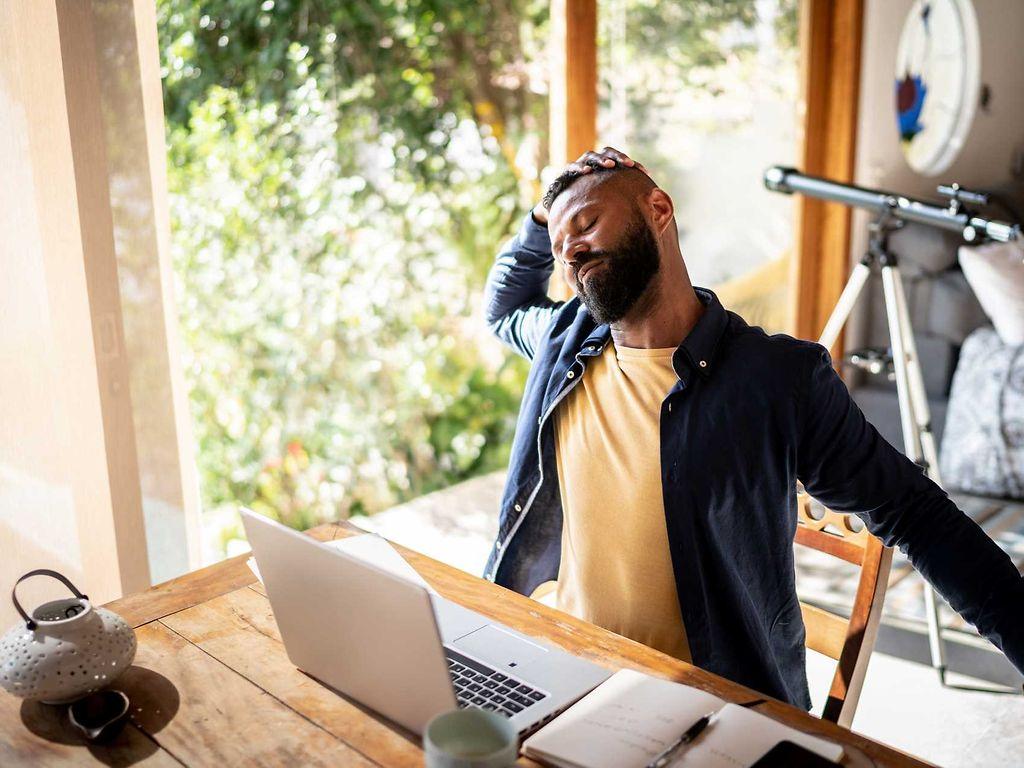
[662, 318]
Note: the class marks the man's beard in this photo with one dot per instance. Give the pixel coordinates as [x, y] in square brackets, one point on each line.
[611, 291]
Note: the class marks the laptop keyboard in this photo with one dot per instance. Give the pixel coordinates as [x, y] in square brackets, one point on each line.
[477, 685]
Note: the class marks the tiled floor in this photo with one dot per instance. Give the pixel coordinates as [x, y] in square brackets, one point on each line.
[903, 703]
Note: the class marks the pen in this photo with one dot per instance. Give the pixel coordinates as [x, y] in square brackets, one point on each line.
[695, 730]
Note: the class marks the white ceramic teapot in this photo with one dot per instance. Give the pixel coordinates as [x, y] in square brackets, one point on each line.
[66, 649]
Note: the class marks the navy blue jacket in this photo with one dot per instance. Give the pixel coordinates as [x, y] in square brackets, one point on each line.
[750, 415]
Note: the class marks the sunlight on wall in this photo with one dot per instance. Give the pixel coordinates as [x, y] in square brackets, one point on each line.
[53, 498]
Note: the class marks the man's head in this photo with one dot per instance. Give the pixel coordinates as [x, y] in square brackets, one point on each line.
[607, 227]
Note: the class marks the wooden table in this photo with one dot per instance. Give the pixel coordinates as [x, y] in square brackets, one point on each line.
[212, 686]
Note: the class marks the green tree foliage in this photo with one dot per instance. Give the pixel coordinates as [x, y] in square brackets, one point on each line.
[408, 63]
[338, 189]
[334, 350]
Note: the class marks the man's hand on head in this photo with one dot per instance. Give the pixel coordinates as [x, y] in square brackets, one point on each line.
[584, 164]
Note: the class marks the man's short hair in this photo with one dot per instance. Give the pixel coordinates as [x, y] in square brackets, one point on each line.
[571, 176]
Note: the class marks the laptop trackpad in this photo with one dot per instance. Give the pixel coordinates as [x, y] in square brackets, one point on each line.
[499, 648]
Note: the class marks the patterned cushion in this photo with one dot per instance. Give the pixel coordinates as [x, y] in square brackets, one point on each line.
[983, 441]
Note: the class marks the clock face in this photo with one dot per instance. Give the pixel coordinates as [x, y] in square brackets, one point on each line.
[938, 69]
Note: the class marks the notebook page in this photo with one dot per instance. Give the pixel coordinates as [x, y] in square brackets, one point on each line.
[623, 723]
[738, 738]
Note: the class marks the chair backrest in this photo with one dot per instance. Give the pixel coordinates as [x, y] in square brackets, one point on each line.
[848, 641]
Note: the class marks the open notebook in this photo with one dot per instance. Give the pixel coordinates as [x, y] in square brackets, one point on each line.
[631, 717]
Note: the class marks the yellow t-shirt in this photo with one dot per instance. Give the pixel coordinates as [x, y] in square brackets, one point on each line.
[616, 568]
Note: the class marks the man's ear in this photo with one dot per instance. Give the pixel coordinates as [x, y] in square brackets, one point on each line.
[659, 204]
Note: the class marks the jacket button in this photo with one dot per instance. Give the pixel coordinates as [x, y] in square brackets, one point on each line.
[570, 374]
[518, 508]
[703, 363]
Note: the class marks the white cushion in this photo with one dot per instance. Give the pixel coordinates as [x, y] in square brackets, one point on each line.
[996, 273]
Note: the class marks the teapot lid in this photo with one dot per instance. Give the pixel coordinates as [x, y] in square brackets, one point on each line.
[61, 612]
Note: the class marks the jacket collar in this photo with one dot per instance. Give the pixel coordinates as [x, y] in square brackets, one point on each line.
[697, 352]
[701, 342]
[594, 343]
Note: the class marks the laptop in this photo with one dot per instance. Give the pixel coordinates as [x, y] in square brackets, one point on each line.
[391, 645]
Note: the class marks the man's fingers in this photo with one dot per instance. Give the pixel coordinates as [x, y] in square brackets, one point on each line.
[584, 160]
[579, 166]
[617, 156]
[607, 158]
[602, 158]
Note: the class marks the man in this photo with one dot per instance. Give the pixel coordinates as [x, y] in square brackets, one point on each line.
[661, 438]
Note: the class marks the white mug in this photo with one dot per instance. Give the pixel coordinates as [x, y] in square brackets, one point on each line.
[470, 738]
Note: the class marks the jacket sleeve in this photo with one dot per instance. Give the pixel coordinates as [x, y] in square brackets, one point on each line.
[846, 465]
[516, 305]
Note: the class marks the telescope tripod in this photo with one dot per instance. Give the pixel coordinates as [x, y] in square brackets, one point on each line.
[915, 418]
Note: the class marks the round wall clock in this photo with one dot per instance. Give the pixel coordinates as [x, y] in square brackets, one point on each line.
[938, 80]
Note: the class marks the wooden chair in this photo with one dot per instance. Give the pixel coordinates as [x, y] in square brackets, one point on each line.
[848, 641]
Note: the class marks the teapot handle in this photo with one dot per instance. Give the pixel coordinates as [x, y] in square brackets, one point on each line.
[29, 623]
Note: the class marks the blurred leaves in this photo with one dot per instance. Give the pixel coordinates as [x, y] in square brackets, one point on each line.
[409, 65]
[330, 240]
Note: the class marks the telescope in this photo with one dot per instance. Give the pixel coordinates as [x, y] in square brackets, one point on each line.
[954, 217]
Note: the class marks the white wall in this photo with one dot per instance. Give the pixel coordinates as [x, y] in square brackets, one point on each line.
[997, 134]
[996, 140]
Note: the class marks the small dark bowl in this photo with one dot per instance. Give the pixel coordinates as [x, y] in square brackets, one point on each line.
[99, 715]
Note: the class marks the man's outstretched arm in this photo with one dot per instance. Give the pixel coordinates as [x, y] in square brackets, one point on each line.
[516, 304]
[846, 465]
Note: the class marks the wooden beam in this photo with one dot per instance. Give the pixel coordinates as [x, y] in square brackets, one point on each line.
[573, 98]
[830, 41]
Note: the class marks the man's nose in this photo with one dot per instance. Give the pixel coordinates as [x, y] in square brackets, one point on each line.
[574, 251]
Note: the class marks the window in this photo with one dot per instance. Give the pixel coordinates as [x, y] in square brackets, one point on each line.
[705, 94]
